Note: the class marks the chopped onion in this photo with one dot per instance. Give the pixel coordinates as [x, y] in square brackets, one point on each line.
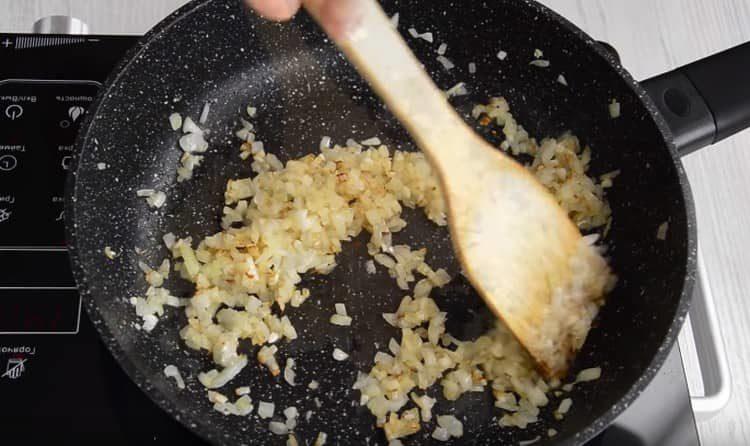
[169, 240]
[370, 267]
[289, 373]
[240, 391]
[171, 371]
[193, 143]
[442, 48]
[502, 55]
[450, 423]
[551, 432]
[101, 166]
[204, 113]
[325, 142]
[291, 441]
[291, 415]
[313, 385]
[321, 439]
[561, 79]
[472, 67]
[587, 375]
[441, 434]
[251, 111]
[188, 126]
[457, 90]
[340, 309]
[541, 63]
[341, 320]
[445, 62]
[339, 355]
[175, 120]
[216, 397]
[265, 410]
[374, 141]
[144, 192]
[110, 253]
[538, 53]
[278, 428]
[661, 233]
[614, 109]
[157, 200]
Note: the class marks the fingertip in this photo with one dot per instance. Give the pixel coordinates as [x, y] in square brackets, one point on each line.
[279, 10]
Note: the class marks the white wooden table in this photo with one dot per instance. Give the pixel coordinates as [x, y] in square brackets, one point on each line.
[651, 36]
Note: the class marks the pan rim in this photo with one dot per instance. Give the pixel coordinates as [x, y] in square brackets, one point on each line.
[200, 428]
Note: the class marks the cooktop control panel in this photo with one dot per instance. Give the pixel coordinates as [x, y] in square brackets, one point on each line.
[47, 84]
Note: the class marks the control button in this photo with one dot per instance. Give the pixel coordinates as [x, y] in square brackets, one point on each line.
[76, 112]
[7, 43]
[4, 215]
[8, 162]
[14, 111]
[66, 162]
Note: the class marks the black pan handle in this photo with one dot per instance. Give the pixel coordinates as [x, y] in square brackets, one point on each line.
[706, 101]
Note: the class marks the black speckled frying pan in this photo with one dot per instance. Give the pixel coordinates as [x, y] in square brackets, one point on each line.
[217, 52]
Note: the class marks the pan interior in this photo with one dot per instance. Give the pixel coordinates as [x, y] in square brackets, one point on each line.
[303, 88]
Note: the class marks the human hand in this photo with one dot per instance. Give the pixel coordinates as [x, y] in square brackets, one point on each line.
[336, 16]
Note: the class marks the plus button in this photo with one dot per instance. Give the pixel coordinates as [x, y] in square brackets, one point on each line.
[6, 43]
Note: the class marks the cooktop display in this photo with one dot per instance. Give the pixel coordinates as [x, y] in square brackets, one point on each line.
[57, 380]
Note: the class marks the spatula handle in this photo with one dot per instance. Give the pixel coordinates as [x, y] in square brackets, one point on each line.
[381, 56]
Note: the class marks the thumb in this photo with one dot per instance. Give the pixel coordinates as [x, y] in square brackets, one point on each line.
[275, 9]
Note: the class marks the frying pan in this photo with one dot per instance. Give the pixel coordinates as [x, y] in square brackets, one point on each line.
[218, 52]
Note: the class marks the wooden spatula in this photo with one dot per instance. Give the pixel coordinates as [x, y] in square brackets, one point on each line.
[517, 245]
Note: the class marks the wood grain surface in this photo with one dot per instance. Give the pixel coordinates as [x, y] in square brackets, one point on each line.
[651, 37]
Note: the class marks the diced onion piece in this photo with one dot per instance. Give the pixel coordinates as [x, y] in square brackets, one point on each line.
[325, 142]
[541, 63]
[445, 62]
[313, 385]
[450, 423]
[614, 109]
[157, 199]
[109, 253]
[289, 373]
[240, 391]
[661, 233]
[442, 48]
[472, 67]
[340, 309]
[171, 371]
[561, 79]
[265, 410]
[251, 111]
[175, 120]
[169, 240]
[321, 439]
[340, 320]
[188, 126]
[538, 53]
[291, 414]
[144, 192]
[502, 55]
[587, 375]
[441, 434]
[278, 428]
[374, 141]
[204, 113]
[340, 355]
[370, 267]
[101, 166]
[216, 397]
[291, 440]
